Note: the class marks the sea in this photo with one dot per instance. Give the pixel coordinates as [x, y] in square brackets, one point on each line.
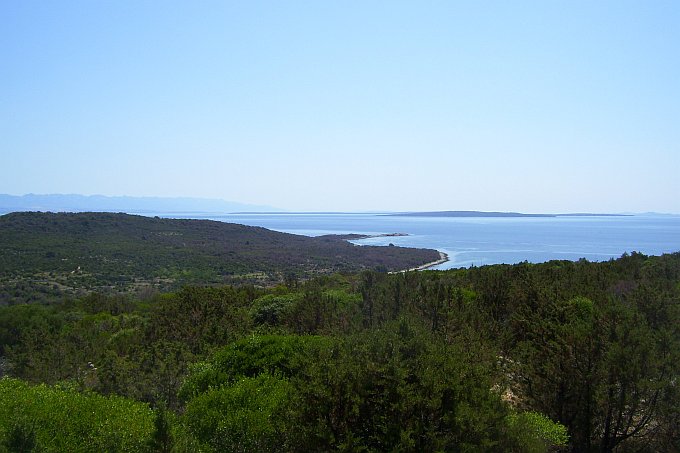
[478, 241]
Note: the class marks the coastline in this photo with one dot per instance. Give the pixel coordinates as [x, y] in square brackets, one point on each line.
[357, 237]
[443, 258]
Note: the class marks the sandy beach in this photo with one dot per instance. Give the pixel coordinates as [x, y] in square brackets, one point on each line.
[443, 258]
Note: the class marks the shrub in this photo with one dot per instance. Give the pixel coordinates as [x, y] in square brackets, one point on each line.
[65, 420]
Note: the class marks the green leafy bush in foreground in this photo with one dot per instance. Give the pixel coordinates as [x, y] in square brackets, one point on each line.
[536, 432]
[249, 415]
[493, 358]
[397, 388]
[56, 419]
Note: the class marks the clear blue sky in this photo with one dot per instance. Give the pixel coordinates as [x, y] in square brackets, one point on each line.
[545, 106]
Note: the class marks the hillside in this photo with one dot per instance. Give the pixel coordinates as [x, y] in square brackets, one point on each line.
[555, 357]
[66, 253]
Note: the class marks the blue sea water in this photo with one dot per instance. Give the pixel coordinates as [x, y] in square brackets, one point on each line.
[484, 240]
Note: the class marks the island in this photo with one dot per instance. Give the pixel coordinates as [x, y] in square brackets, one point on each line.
[496, 214]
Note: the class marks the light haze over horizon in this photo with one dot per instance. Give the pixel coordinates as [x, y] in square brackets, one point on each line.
[346, 106]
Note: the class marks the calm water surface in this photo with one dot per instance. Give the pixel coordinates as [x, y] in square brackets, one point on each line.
[482, 241]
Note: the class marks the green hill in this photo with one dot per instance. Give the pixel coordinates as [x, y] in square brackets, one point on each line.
[52, 254]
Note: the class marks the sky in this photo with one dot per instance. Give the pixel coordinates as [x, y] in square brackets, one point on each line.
[559, 106]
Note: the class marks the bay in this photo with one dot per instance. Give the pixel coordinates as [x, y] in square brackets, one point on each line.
[482, 240]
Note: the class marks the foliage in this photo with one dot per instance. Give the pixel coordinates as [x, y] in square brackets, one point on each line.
[273, 309]
[275, 355]
[65, 420]
[397, 388]
[536, 431]
[20, 438]
[161, 438]
[247, 415]
[416, 394]
[48, 255]
[488, 358]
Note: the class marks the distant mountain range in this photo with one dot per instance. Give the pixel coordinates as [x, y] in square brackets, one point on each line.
[133, 205]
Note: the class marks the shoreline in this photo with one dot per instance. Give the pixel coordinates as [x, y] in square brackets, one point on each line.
[443, 258]
[358, 237]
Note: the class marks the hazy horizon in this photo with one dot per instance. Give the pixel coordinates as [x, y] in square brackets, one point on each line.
[212, 205]
[395, 106]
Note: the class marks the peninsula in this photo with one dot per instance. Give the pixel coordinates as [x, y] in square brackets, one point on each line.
[52, 254]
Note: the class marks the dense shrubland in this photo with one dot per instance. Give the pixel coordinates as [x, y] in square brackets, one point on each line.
[46, 256]
[560, 356]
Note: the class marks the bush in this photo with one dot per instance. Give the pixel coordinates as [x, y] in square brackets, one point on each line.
[272, 309]
[65, 420]
[249, 415]
[273, 354]
[535, 432]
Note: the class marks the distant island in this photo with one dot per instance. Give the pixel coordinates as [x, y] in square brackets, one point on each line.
[496, 214]
[131, 205]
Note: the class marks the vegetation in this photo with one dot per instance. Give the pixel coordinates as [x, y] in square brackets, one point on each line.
[61, 419]
[559, 356]
[46, 255]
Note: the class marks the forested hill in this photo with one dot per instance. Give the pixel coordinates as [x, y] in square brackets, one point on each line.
[555, 357]
[54, 253]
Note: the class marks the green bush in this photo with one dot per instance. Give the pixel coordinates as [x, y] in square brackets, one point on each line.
[274, 354]
[536, 433]
[248, 416]
[272, 309]
[55, 419]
